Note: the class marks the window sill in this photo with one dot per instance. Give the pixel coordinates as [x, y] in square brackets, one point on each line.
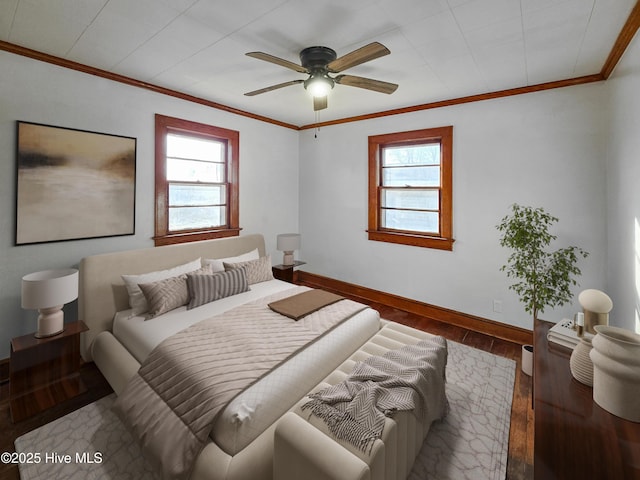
[174, 238]
[438, 243]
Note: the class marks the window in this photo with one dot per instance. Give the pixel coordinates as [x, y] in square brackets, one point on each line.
[196, 181]
[410, 188]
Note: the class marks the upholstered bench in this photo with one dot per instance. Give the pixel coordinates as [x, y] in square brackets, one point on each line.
[304, 447]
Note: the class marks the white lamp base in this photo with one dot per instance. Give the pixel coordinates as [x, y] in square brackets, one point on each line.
[288, 258]
[50, 322]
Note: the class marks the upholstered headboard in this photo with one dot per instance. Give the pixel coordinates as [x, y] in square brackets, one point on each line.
[102, 290]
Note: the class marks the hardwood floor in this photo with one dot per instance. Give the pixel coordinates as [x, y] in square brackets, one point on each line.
[97, 387]
[520, 459]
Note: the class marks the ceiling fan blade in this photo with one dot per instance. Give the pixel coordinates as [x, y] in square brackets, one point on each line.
[361, 55]
[278, 61]
[319, 103]
[368, 83]
[273, 87]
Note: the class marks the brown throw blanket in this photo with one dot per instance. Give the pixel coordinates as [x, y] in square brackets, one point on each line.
[410, 378]
[171, 404]
[302, 304]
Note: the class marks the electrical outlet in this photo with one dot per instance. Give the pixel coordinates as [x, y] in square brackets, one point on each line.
[497, 306]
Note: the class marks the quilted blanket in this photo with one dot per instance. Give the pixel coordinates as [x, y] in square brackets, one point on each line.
[170, 405]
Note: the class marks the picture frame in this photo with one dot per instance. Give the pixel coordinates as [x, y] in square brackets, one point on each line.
[73, 184]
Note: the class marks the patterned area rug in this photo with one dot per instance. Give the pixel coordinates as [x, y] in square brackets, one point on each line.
[470, 443]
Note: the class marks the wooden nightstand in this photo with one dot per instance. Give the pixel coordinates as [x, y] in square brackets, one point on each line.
[44, 371]
[285, 272]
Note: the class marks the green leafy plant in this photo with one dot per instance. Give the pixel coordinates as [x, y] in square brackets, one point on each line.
[543, 278]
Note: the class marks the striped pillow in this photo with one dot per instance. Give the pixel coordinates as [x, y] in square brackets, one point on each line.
[209, 288]
[168, 294]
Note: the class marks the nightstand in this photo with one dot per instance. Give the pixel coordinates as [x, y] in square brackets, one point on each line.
[44, 371]
[285, 272]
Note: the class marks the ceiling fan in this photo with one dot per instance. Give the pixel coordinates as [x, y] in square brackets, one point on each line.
[320, 62]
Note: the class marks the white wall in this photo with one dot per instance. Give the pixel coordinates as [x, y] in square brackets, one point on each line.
[42, 93]
[544, 149]
[623, 184]
[541, 149]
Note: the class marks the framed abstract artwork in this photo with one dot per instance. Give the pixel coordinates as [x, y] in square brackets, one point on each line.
[73, 184]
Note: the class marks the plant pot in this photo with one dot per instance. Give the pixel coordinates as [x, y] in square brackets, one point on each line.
[527, 359]
[616, 373]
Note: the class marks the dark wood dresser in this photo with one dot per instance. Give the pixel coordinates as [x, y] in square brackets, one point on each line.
[574, 437]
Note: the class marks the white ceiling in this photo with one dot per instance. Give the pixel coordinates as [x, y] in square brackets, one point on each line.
[440, 49]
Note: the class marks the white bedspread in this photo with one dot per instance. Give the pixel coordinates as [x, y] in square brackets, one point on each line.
[140, 336]
[259, 406]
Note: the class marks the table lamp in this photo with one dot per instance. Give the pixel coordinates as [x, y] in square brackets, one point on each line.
[48, 291]
[288, 243]
[596, 306]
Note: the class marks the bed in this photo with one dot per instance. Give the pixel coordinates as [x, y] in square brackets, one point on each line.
[241, 444]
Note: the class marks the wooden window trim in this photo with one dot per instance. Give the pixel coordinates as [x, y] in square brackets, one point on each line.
[445, 240]
[164, 125]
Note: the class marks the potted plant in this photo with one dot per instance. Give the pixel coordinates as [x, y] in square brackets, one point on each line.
[542, 278]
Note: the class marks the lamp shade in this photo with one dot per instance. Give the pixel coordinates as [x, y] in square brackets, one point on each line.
[288, 242]
[49, 288]
[595, 301]
[596, 306]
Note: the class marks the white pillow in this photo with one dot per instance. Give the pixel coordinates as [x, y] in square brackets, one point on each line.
[137, 300]
[218, 263]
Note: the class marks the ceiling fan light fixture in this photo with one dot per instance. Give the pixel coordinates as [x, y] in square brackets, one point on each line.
[322, 62]
[319, 85]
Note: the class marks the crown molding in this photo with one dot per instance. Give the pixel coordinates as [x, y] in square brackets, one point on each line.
[469, 99]
[623, 40]
[80, 67]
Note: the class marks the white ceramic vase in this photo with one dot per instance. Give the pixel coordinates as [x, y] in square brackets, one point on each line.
[580, 362]
[616, 373]
[527, 359]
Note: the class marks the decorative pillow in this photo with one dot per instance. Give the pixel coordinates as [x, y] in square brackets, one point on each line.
[137, 301]
[218, 263]
[209, 288]
[168, 294]
[257, 270]
[165, 295]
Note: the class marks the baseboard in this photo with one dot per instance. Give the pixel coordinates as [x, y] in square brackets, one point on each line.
[464, 320]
